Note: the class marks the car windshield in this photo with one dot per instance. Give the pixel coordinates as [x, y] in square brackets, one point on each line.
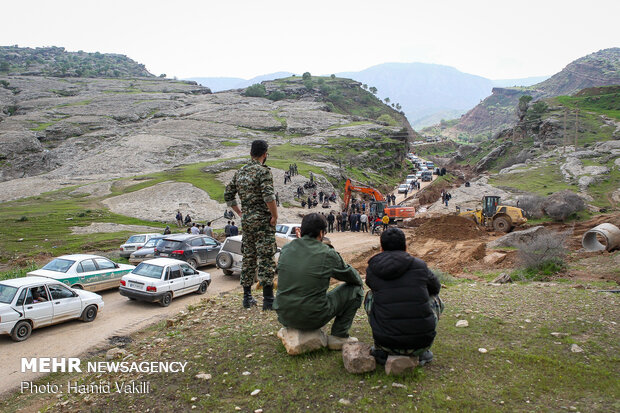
[152, 242]
[148, 270]
[281, 229]
[135, 239]
[7, 293]
[58, 265]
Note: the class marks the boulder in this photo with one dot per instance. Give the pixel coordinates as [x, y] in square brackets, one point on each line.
[503, 278]
[397, 365]
[516, 238]
[357, 358]
[561, 205]
[485, 162]
[494, 258]
[302, 341]
[115, 353]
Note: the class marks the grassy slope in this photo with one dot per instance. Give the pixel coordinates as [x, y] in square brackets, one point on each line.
[525, 369]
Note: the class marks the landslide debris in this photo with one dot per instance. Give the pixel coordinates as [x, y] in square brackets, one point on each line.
[448, 228]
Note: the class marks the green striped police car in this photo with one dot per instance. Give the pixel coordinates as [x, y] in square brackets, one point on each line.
[84, 271]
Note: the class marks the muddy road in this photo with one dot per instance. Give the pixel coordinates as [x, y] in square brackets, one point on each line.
[121, 317]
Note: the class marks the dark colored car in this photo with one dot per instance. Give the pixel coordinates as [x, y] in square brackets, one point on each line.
[196, 250]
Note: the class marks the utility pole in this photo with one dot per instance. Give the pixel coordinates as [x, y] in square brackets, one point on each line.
[564, 135]
[491, 133]
[576, 128]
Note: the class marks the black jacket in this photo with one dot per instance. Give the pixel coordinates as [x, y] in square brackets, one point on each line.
[401, 316]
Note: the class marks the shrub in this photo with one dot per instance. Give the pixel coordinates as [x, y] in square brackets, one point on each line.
[532, 205]
[276, 95]
[387, 119]
[306, 76]
[256, 90]
[23, 218]
[544, 255]
[333, 76]
[309, 84]
[443, 277]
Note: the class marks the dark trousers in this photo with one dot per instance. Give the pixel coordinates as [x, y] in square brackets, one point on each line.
[364, 227]
[330, 226]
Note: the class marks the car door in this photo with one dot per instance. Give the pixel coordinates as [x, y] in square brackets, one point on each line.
[199, 250]
[212, 249]
[39, 312]
[175, 280]
[88, 274]
[110, 275]
[67, 305]
[191, 280]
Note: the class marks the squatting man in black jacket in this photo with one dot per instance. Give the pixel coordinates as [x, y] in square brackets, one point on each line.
[403, 304]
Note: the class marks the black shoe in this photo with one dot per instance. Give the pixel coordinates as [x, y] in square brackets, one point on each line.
[268, 297]
[379, 355]
[248, 300]
[426, 357]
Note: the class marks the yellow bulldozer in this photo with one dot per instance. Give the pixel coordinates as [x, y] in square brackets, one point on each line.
[503, 218]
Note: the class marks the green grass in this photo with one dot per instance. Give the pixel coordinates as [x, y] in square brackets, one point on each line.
[525, 368]
[348, 125]
[229, 143]
[80, 103]
[541, 181]
[41, 126]
[605, 100]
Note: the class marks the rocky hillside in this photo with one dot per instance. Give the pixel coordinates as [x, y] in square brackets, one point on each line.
[57, 62]
[537, 158]
[499, 111]
[112, 138]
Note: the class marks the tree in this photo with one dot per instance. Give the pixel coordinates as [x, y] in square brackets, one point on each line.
[398, 107]
[256, 90]
[4, 66]
[333, 76]
[364, 86]
[387, 100]
[163, 75]
[373, 90]
[276, 95]
[306, 76]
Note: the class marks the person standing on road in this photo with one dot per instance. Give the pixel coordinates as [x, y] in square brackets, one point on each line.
[253, 183]
[330, 222]
[364, 221]
[338, 222]
[386, 221]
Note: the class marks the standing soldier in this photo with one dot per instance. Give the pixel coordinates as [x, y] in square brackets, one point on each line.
[253, 183]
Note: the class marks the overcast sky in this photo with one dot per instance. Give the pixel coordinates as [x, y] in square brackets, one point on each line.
[243, 38]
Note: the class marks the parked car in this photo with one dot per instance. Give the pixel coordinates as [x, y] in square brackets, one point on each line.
[196, 250]
[84, 271]
[402, 188]
[162, 279]
[134, 243]
[146, 252]
[31, 302]
[286, 233]
[230, 257]
[430, 165]
[427, 176]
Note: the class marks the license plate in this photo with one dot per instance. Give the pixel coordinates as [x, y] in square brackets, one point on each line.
[163, 254]
[136, 286]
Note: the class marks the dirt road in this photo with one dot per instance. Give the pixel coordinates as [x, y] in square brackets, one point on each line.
[121, 317]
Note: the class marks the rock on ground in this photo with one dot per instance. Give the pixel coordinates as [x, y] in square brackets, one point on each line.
[561, 205]
[299, 341]
[516, 238]
[357, 358]
[397, 365]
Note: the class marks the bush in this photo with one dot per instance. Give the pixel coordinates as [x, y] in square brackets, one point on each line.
[309, 84]
[306, 76]
[276, 95]
[532, 205]
[387, 119]
[256, 90]
[544, 255]
[443, 277]
[23, 218]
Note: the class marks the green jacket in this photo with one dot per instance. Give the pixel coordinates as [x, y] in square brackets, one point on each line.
[304, 271]
[253, 183]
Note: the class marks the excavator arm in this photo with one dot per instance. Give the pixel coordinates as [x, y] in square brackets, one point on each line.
[349, 188]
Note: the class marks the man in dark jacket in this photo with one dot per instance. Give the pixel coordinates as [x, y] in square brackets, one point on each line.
[403, 305]
[305, 268]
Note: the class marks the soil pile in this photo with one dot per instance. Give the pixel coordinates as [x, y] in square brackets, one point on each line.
[449, 228]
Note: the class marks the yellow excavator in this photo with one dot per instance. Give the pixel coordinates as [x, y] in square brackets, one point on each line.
[503, 218]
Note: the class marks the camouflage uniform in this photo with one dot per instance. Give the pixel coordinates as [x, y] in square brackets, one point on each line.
[254, 184]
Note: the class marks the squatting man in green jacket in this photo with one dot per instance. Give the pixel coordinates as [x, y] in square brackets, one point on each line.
[304, 271]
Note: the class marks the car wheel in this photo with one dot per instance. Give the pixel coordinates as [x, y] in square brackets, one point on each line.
[224, 260]
[165, 300]
[89, 314]
[193, 263]
[21, 331]
[228, 272]
[203, 287]
[501, 224]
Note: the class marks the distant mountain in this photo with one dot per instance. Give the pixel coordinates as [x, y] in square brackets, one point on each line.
[57, 62]
[498, 111]
[217, 84]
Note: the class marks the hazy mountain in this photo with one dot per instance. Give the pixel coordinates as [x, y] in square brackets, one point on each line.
[217, 84]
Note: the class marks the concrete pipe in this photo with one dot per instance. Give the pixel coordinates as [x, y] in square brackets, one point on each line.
[609, 234]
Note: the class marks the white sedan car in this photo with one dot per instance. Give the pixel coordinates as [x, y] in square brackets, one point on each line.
[161, 279]
[402, 188]
[32, 302]
[84, 271]
[134, 243]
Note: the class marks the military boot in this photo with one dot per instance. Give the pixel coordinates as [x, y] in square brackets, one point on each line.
[268, 297]
[248, 300]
